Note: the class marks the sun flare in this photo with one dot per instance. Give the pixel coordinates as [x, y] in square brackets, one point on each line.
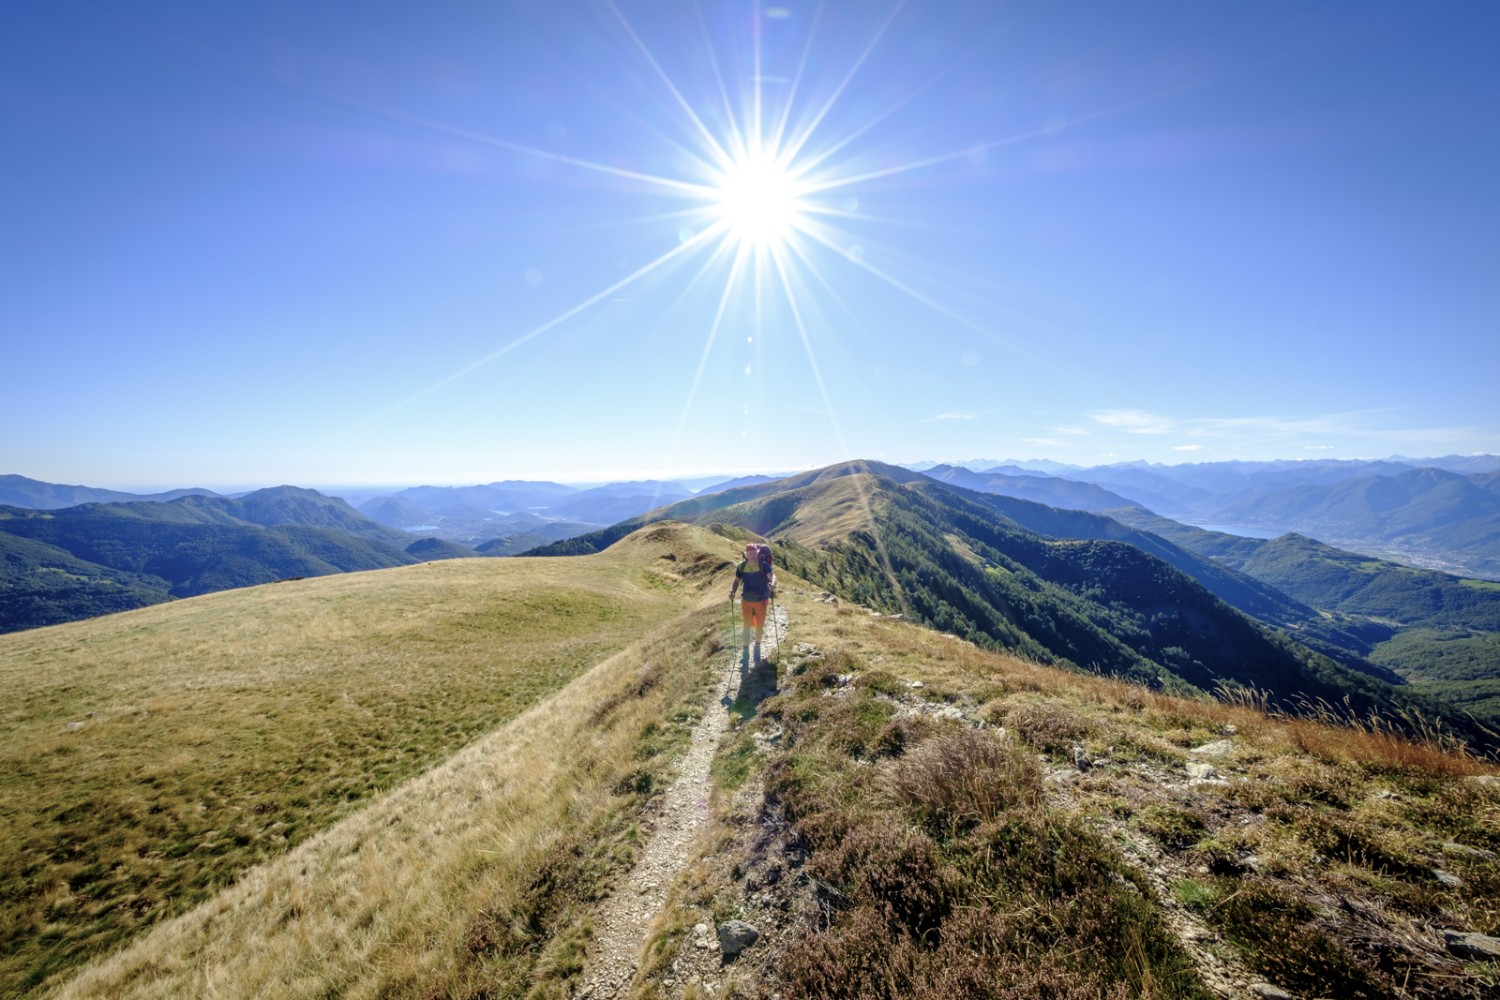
[758, 199]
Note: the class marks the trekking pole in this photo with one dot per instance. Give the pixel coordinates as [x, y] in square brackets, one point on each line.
[776, 630]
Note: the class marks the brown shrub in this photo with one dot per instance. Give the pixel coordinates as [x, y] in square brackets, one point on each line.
[1048, 726]
[893, 869]
[961, 778]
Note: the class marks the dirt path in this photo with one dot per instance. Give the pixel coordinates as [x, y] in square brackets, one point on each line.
[624, 919]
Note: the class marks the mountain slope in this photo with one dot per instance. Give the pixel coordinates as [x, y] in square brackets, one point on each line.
[1430, 517]
[41, 584]
[951, 560]
[1440, 632]
[466, 761]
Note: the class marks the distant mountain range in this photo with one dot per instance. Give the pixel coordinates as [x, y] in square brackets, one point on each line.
[18, 491]
[1441, 513]
[1368, 615]
[508, 517]
[76, 562]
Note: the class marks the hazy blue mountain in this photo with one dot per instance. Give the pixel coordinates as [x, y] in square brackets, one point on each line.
[428, 549]
[18, 491]
[1055, 491]
[505, 497]
[1151, 488]
[731, 484]
[521, 538]
[617, 501]
[396, 512]
[78, 561]
[1446, 518]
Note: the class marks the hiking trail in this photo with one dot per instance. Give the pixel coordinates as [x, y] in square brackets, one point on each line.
[673, 823]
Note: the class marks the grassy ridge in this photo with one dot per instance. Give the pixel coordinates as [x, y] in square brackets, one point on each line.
[943, 840]
[148, 759]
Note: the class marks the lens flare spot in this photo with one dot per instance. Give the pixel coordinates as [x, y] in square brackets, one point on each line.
[758, 200]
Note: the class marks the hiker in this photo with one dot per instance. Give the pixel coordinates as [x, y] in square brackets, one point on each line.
[759, 579]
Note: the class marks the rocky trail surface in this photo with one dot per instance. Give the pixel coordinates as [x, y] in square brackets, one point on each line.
[673, 825]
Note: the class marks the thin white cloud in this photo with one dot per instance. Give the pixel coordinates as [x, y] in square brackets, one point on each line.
[1188, 447]
[1134, 421]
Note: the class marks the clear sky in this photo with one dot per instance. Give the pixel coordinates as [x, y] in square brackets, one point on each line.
[453, 242]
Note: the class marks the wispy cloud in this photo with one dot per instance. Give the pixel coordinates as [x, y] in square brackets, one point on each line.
[1134, 421]
[1362, 433]
[1355, 423]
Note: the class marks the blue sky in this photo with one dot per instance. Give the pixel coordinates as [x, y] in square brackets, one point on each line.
[247, 244]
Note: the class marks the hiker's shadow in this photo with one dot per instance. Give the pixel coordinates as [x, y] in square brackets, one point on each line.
[757, 683]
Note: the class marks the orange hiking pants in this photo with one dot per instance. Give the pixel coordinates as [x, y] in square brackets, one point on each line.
[753, 613]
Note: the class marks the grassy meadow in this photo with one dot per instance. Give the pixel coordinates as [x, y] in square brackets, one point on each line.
[148, 760]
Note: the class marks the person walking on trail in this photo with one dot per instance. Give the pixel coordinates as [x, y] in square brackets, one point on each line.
[759, 580]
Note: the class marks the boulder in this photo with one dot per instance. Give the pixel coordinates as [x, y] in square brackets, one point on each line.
[735, 936]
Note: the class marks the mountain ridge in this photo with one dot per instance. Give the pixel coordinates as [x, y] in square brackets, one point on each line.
[949, 558]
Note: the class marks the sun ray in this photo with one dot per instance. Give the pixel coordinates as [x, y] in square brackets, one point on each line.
[777, 139]
[899, 285]
[796, 145]
[695, 242]
[838, 431]
[734, 137]
[672, 183]
[740, 253]
[1051, 128]
[710, 141]
[813, 162]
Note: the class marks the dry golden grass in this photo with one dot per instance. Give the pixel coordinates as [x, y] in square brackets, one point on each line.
[148, 759]
[421, 893]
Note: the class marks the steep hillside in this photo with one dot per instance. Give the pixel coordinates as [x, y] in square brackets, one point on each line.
[1436, 630]
[1450, 521]
[892, 812]
[41, 584]
[950, 559]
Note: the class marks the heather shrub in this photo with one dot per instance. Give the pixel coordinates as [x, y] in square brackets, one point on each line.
[958, 779]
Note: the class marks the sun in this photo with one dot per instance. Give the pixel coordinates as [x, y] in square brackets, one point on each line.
[758, 199]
